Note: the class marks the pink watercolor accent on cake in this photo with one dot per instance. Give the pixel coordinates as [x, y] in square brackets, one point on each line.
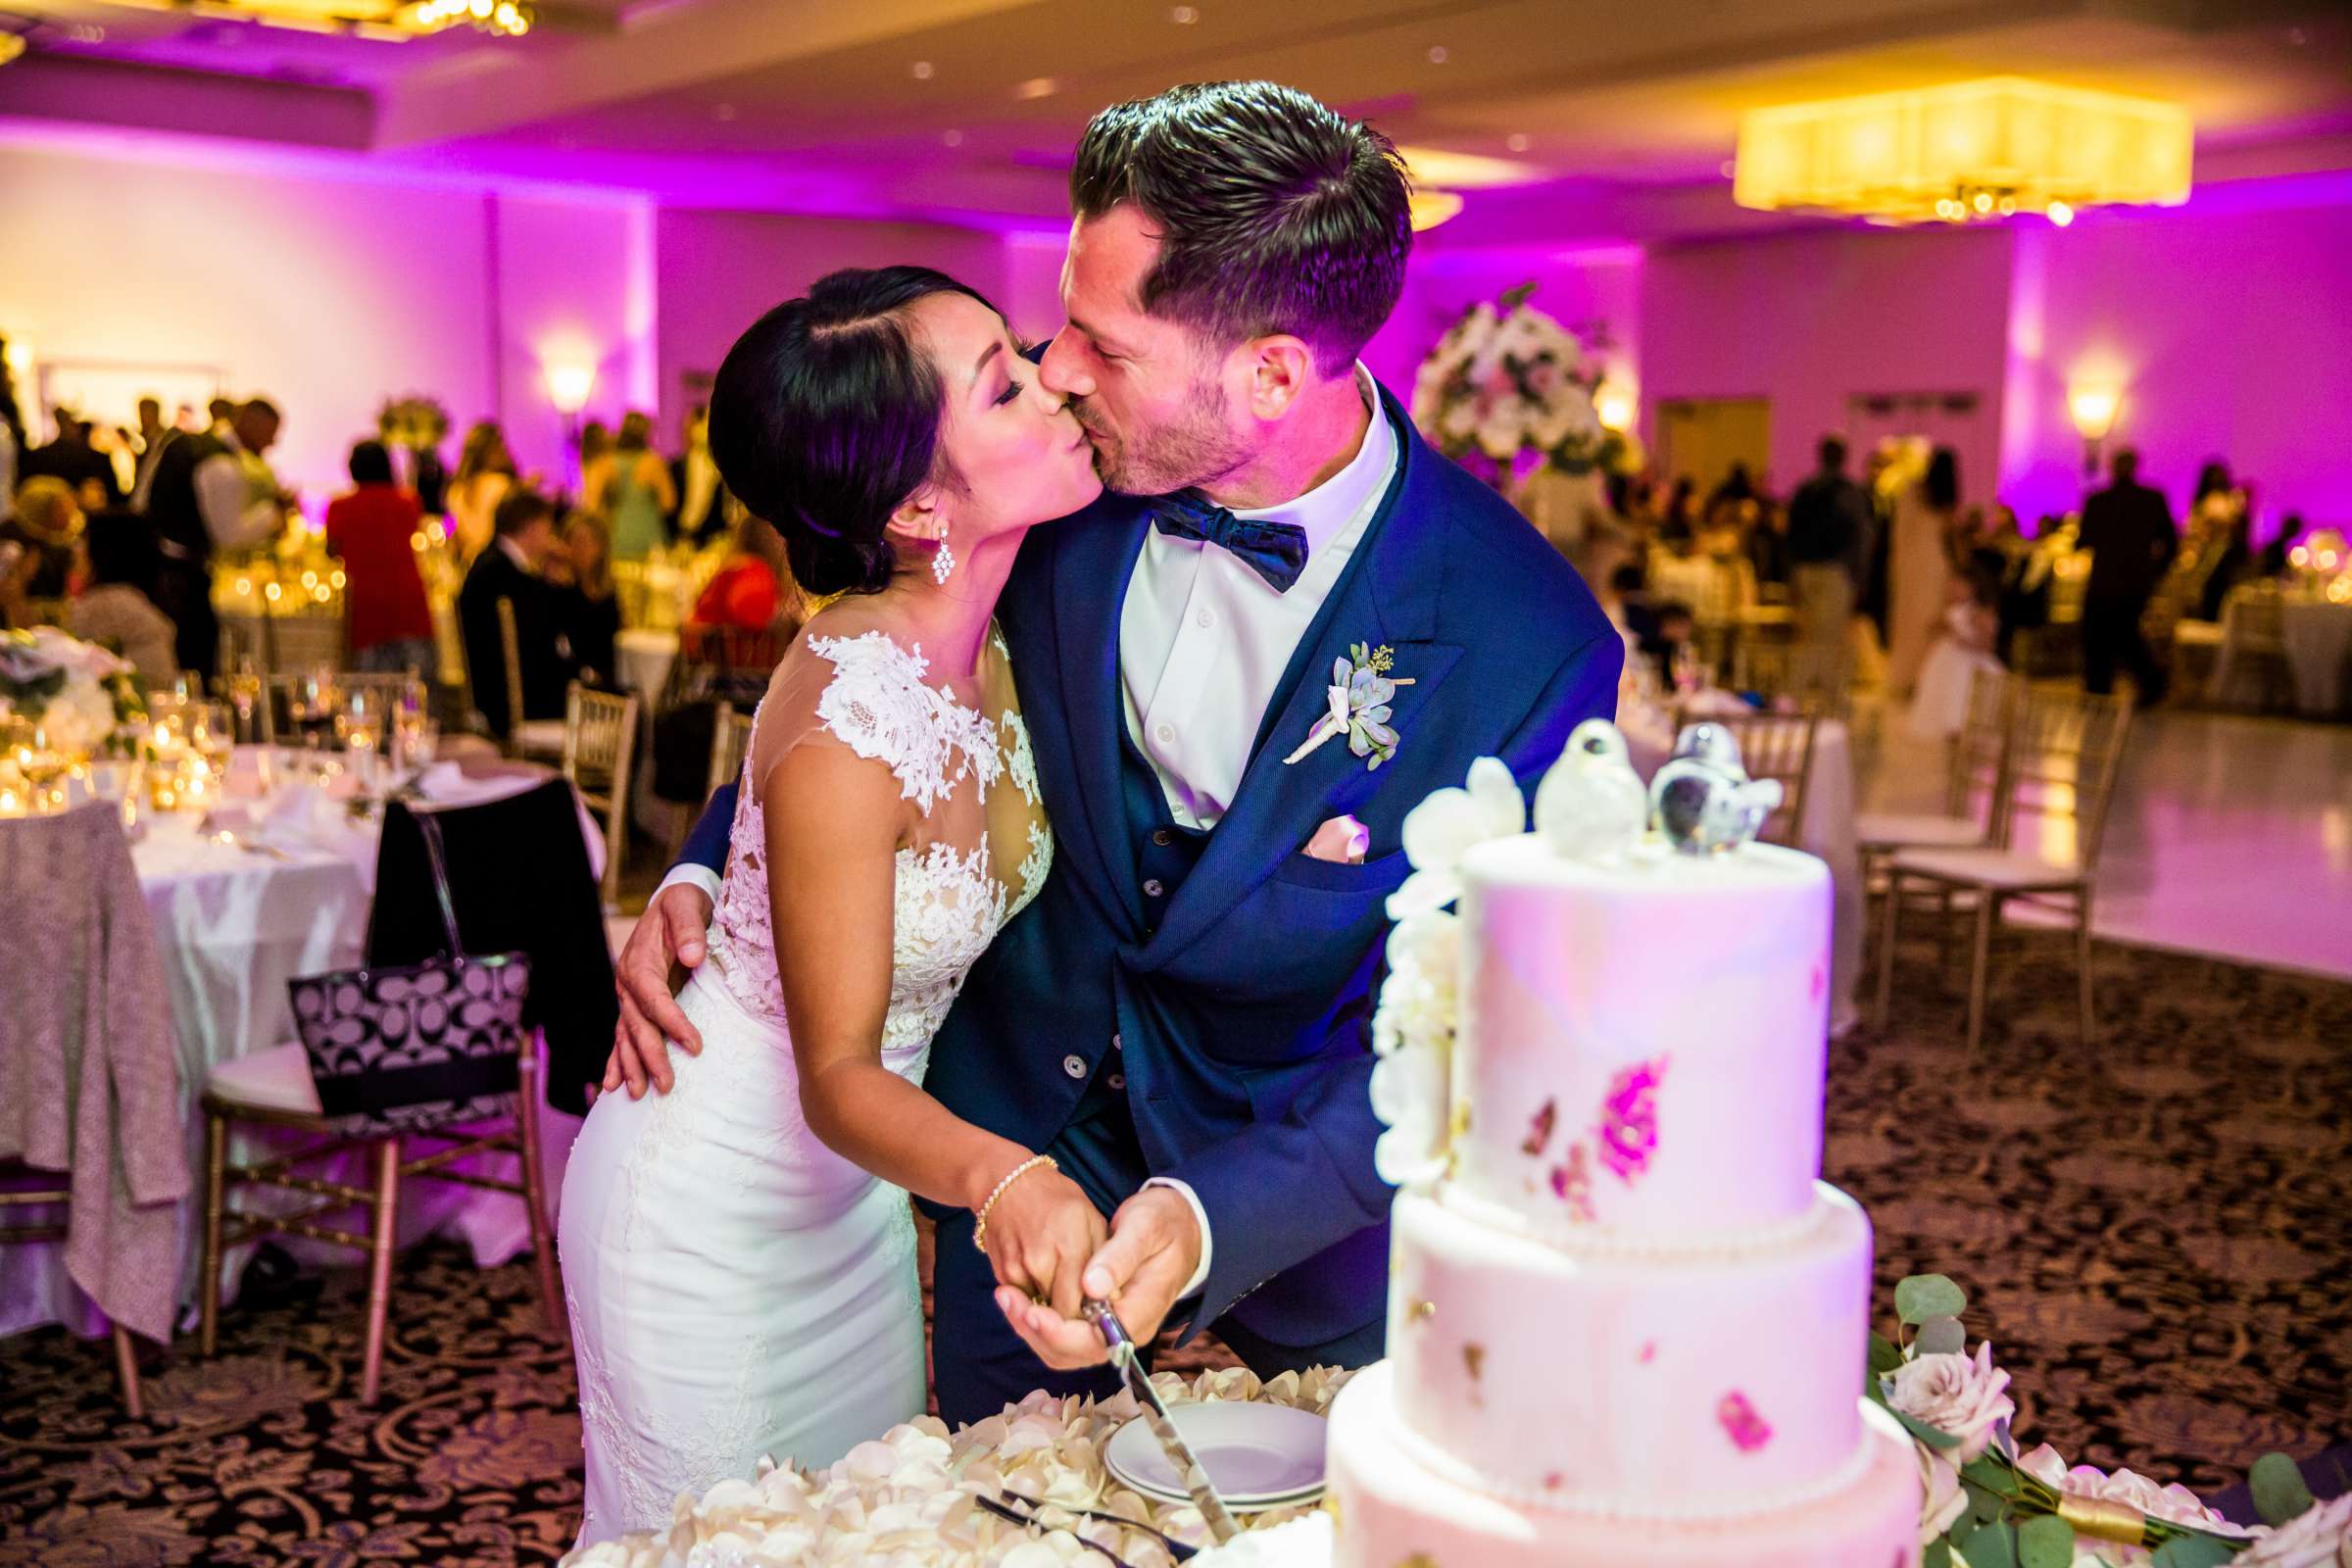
[1539, 1131]
[1648, 1353]
[1629, 1121]
[1572, 1184]
[1747, 1430]
[1821, 980]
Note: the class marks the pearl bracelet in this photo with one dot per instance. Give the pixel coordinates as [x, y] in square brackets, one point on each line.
[980, 1230]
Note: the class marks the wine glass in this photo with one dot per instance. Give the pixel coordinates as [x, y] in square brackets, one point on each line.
[359, 727]
[245, 693]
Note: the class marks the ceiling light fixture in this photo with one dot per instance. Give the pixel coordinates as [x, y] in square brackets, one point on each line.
[1964, 152]
[393, 20]
[1037, 87]
[1430, 208]
[953, 138]
[1184, 15]
[1516, 143]
[12, 44]
[922, 71]
[1438, 55]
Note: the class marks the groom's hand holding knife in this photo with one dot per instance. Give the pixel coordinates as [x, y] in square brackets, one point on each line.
[1154, 1250]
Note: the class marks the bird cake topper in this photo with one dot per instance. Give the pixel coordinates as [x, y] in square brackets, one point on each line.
[1591, 805]
[1705, 802]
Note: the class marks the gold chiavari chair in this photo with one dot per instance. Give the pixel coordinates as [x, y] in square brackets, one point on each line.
[600, 740]
[1974, 779]
[21, 1185]
[731, 742]
[541, 738]
[2049, 819]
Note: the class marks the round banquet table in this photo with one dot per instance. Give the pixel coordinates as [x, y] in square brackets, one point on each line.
[1826, 830]
[233, 924]
[2318, 635]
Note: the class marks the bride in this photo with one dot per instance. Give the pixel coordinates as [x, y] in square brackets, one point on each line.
[738, 1253]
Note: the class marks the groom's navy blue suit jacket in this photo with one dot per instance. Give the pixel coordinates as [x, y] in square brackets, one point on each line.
[1242, 1020]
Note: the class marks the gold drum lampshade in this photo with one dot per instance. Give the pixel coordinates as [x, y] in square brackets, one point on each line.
[1963, 152]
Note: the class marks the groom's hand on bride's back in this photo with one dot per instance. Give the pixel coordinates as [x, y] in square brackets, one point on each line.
[673, 931]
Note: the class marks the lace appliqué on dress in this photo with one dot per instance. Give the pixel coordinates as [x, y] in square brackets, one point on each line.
[877, 706]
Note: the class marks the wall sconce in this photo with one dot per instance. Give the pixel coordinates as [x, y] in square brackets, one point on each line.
[2094, 410]
[1614, 403]
[569, 386]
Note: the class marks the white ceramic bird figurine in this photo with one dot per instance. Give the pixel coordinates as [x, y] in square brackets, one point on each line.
[1705, 799]
[1591, 805]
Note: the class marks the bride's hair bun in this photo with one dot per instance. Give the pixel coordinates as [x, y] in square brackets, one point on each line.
[824, 418]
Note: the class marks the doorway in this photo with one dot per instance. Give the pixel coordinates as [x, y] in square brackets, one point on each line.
[1700, 439]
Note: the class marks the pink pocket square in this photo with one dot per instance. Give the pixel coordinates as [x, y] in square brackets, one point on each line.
[1342, 840]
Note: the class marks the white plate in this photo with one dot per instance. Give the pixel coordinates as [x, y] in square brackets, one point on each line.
[1257, 1455]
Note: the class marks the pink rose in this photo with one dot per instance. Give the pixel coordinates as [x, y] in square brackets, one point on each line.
[1942, 1502]
[2175, 1503]
[1956, 1395]
[2319, 1537]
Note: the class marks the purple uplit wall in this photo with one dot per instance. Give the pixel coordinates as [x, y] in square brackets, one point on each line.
[719, 272]
[2229, 334]
[1581, 287]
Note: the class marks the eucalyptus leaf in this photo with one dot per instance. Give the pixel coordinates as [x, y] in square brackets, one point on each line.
[1982, 1501]
[1925, 1296]
[1989, 1473]
[1885, 1355]
[1967, 1525]
[1941, 1336]
[2280, 1494]
[1937, 1555]
[1993, 1546]
[2046, 1541]
[2194, 1552]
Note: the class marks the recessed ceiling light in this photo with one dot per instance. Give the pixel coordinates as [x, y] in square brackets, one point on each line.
[1436, 56]
[953, 138]
[722, 111]
[2297, 36]
[1727, 169]
[1184, 15]
[1517, 144]
[1037, 87]
[86, 33]
[922, 71]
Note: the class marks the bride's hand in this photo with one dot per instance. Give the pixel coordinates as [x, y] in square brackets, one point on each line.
[1040, 1235]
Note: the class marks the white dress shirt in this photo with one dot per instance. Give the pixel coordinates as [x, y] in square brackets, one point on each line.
[1204, 641]
[227, 499]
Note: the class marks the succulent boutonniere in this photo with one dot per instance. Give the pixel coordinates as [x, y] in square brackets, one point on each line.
[1359, 694]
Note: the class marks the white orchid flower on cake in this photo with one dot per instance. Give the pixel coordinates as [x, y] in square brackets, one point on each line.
[1449, 825]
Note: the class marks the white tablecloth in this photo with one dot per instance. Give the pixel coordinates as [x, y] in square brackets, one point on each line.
[2318, 635]
[1826, 830]
[233, 926]
[645, 657]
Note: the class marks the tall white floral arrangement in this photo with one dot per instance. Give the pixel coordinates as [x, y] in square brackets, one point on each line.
[1507, 378]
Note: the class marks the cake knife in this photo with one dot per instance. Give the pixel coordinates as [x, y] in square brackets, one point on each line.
[1213, 1514]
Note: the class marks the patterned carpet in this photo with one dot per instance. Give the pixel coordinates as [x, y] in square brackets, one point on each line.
[2154, 1233]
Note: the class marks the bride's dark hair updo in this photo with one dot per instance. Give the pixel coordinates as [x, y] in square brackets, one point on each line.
[824, 418]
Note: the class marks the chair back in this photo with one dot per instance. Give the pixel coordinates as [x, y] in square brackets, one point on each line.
[1981, 752]
[2254, 617]
[510, 650]
[46, 611]
[730, 743]
[2065, 750]
[1777, 746]
[600, 735]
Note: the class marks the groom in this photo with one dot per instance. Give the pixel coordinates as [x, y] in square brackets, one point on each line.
[1180, 1017]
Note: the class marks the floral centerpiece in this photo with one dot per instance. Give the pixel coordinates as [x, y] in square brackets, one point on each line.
[1507, 379]
[85, 701]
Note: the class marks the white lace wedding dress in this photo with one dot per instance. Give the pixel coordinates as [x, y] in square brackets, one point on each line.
[736, 1288]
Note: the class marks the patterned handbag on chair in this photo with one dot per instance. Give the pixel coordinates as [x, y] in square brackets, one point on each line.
[415, 1044]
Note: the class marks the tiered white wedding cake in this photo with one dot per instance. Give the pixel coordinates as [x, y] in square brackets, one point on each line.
[1626, 1321]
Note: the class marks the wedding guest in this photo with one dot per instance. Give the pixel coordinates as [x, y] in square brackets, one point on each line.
[85, 469]
[211, 491]
[12, 427]
[1679, 524]
[630, 484]
[694, 480]
[47, 521]
[372, 530]
[2129, 531]
[115, 610]
[1927, 516]
[2278, 556]
[153, 433]
[579, 574]
[485, 473]
[1668, 642]
[1829, 523]
[522, 536]
[1964, 646]
[596, 443]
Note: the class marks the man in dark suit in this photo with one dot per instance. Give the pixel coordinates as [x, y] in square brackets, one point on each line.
[522, 533]
[2128, 529]
[1181, 1018]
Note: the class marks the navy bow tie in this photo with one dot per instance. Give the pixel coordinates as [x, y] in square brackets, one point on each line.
[1275, 551]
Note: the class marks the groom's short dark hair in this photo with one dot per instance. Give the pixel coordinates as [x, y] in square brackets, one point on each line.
[1276, 213]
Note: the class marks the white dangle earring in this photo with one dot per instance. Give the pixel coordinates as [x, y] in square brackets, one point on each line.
[943, 560]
